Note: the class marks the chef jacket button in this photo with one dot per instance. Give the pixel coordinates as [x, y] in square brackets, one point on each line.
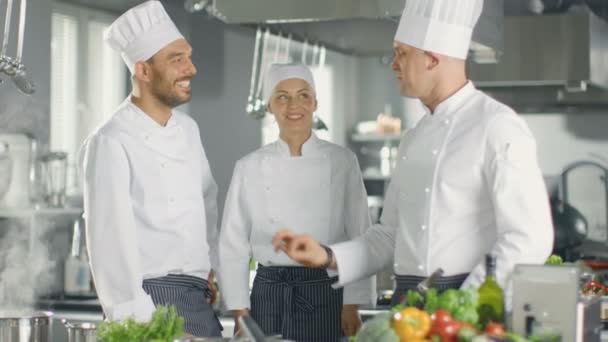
[395, 265]
[427, 190]
[146, 137]
[423, 227]
[435, 151]
[267, 188]
[420, 267]
[171, 199]
[403, 158]
[272, 220]
[446, 121]
[163, 165]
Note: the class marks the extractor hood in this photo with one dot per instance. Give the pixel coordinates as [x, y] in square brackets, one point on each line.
[568, 50]
[357, 27]
[550, 62]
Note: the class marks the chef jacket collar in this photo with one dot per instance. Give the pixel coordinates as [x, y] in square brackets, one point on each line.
[451, 104]
[309, 147]
[145, 122]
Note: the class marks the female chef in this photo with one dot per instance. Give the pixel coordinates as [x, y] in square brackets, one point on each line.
[298, 181]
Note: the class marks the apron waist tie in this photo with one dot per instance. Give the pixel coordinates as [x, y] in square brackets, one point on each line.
[282, 276]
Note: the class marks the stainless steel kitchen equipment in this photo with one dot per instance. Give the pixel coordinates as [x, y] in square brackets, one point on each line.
[566, 50]
[6, 169]
[77, 272]
[599, 7]
[14, 67]
[20, 151]
[256, 107]
[53, 167]
[253, 332]
[550, 61]
[586, 163]
[34, 327]
[363, 28]
[80, 331]
[572, 227]
[548, 300]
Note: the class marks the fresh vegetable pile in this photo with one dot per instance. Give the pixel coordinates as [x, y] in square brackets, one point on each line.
[449, 317]
[166, 324]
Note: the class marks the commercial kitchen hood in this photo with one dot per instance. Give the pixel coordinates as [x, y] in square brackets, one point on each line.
[357, 27]
[534, 62]
[550, 62]
[569, 50]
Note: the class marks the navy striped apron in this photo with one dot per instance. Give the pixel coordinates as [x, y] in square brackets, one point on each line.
[189, 294]
[297, 303]
[406, 282]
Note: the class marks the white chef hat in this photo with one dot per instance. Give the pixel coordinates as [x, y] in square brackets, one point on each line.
[280, 72]
[441, 26]
[141, 32]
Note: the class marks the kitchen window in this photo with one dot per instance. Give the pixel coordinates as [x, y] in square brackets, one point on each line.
[88, 79]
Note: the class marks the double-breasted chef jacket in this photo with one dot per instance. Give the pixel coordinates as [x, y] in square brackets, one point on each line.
[467, 183]
[320, 193]
[150, 207]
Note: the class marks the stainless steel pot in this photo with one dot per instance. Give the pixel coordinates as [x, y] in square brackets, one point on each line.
[25, 328]
[80, 332]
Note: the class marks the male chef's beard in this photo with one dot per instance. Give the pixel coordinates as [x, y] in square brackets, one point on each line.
[164, 91]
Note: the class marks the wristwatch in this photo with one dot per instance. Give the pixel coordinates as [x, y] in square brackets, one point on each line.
[330, 256]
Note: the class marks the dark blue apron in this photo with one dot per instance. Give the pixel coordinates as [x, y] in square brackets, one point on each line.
[297, 303]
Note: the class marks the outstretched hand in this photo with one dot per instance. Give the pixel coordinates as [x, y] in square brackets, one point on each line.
[301, 248]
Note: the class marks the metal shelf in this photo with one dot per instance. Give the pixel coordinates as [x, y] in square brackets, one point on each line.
[375, 137]
[31, 212]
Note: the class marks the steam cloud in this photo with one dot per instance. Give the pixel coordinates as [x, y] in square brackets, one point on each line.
[24, 274]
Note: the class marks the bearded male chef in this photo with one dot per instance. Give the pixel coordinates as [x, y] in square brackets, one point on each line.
[467, 181]
[149, 196]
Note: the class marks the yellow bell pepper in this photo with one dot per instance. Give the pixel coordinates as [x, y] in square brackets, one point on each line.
[411, 324]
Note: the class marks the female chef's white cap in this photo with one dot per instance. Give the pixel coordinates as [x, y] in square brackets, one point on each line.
[441, 26]
[280, 72]
[141, 32]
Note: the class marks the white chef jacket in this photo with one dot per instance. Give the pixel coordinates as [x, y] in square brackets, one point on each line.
[320, 193]
[150, 204]
[467, 183]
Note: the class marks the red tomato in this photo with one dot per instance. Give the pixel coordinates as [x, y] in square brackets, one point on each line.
[442, 316]
[447, 331]
[495, 329]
